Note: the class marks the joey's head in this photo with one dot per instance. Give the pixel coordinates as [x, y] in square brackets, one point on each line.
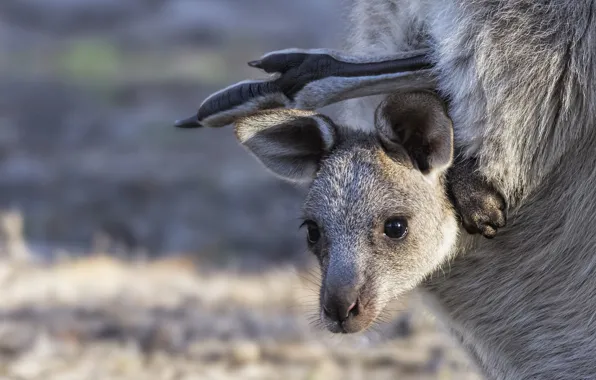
[377, 215]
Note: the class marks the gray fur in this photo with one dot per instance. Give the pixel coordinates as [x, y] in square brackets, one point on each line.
[356, 57]
[327, 91]
[359, 181]
[519, 75]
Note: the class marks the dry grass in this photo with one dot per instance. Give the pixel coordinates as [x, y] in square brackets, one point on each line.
[104, 318]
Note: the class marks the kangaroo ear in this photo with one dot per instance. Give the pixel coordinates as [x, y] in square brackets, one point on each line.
[417, 122]
[288, 142]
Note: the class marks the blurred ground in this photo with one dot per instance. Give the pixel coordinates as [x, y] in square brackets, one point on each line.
[93, 170]
[102, 318]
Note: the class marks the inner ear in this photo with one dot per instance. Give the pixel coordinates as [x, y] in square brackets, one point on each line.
[290, 143]
[410, 131]
[417, 122]
[301, 134]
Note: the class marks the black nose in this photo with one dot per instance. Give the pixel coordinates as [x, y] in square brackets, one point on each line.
[341, 304]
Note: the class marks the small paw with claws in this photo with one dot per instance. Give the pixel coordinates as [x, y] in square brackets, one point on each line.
[481, 207]
[482, 212]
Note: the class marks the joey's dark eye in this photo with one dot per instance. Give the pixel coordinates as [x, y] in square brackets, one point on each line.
[396, 228]
[313, 233]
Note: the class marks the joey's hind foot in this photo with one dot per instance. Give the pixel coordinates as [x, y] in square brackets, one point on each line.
[481, 207]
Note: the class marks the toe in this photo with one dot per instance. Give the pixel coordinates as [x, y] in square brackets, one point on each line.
[489, 232]
[498, 219]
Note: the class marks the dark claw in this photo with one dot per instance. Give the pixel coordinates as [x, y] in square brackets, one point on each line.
[257, 64]
[500, 218]
[280, 63]
[489, 232]
[191, 122]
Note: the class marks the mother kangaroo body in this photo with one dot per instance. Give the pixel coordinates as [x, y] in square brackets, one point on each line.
[519, 75]
[519, 79]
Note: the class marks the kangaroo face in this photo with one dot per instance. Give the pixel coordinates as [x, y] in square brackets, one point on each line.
[376, 214]
[377, 227]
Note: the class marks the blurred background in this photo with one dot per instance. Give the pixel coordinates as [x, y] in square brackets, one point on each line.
[131, 250]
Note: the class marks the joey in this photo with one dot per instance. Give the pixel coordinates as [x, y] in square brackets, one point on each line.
[377, 214]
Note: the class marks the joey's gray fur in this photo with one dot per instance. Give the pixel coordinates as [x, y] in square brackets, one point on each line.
[519, 75]
[360, 180]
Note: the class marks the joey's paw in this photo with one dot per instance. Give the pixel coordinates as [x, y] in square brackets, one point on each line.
[482, 211]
